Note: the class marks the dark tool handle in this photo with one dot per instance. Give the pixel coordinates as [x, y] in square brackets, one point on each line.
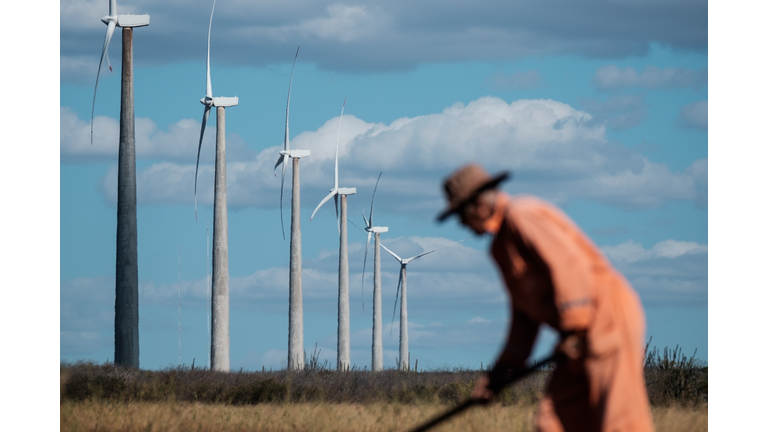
[471, 402]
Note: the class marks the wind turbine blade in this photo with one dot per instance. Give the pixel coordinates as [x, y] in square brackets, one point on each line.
[282, 184]
[286, 143]
[112, 8]
[199, 146]
[279, 161]
[400, 260]
[399, 282]
[336, 202]
[208, 91]
[353, 224]
[365, 259]
[338, 134]
[433, 250]
[374, 196]
[333, 193]
[107, 38]
[367, 225]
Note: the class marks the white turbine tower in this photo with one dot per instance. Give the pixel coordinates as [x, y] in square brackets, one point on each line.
[342, 353]
[126, 257]
[405, 363]
[220, 289]
[296, 310]
[377, 355]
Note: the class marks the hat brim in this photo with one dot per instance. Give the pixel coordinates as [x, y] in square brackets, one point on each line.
[490, 184]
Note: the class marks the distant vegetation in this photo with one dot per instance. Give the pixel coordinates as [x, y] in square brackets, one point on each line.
[671, 378]
[99, 397]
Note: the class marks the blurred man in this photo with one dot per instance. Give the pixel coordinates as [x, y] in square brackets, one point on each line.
[556, 276]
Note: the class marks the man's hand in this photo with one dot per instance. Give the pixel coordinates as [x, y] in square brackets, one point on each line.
[481, 392]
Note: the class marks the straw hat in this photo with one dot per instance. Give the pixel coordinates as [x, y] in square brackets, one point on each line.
[465, 184]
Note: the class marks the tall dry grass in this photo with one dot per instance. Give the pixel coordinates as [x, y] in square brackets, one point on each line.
[185, 416]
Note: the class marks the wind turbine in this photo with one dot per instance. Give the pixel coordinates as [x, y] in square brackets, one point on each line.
[220, 288]
[126, 22]
[342, 352]
[296, 310]
[377, 359]
[126, 259]
[405, 363]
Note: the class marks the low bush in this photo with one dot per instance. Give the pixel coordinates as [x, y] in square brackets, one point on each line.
[671, 378]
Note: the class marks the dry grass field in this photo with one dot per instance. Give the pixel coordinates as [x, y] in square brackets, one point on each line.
[186, 416]
[111, 398]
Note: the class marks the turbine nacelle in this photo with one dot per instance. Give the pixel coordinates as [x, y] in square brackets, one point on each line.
[219, 101]
[345, 191]
[127, 20]
[377, 229]
[225, 101]
[296, 154]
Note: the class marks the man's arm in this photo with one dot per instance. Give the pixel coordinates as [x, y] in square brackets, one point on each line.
[520, 339]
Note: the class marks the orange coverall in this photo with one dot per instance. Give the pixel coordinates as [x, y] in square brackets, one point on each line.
[556, 275]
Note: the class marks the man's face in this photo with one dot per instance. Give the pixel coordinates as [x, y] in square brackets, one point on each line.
[474, 214]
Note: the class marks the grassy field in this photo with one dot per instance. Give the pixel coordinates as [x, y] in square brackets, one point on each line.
[186, 416]
[110, 398]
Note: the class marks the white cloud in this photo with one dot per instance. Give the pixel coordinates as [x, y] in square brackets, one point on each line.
[396, 35]
[554, 150]
[630, 251]
[456, 279]
[179, 143]
[612, 77]
[671, 271]
[620, 112]
[86, 315]
[694, 115]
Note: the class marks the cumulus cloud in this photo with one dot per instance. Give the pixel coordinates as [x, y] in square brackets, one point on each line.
[612, 77]
[360, 35]
[671, 271]
[517, 81]
[457, 278]
[450, 275]
[179, 143]
[554, 150]
[87, 315]
[694, 116]
[619, 112]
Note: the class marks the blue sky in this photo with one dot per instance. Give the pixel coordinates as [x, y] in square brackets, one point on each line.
[600, 109]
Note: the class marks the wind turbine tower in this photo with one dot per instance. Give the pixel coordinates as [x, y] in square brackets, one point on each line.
[405, 361]
[377, 359]
[126, 262]
[220, 288]
[342, 351]
[296, 309]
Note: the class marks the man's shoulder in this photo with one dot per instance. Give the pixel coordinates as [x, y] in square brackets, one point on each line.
[528, 205]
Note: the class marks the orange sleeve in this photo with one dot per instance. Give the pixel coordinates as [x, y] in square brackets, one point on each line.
[553, 236]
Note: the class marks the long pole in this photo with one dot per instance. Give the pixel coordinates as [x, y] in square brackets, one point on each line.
[296, 310]
[405, 361]
[208, 294]
[377, 362]
[472, 402]
[342, 359]
[127, 262]
[220, 291]
[179, 287]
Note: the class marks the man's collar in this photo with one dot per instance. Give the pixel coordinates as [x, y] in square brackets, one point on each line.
[493, 223]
